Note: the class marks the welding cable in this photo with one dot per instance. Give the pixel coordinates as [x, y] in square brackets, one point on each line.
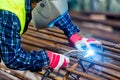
[46, 74]
[74, 77]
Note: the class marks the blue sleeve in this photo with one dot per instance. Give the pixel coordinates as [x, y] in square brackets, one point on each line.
[64, 22]
[12, 52]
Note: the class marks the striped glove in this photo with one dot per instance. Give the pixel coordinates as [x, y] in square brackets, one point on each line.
[57, 61]
[83, 43]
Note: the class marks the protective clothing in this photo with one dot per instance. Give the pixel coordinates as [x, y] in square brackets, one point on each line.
[57, 61]
[82, 43]
[47, 12]
[18, 8]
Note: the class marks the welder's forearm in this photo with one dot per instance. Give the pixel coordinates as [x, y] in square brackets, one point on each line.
[65, 24]
[12, 52]
[33, 61]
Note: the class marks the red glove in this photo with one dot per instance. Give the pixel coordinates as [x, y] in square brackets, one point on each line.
[57, 61]
[79, 42]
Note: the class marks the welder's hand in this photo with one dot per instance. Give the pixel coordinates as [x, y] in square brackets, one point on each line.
[57, 61]
[83, 43]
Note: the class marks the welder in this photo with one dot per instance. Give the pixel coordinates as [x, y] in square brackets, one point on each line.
[15, 16]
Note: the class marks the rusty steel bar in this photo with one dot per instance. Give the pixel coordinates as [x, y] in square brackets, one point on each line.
[78, 17]
[95, 72]
[50, 33]
[79, 73]
[61, 39]
[52, 39]
[59, 32]
[107, 65]
[104, 13]
[48, 37]
[47, 42]
[103, 75]
[111, 49]
[115, 57]
[110, 44]
[64, 41]
[58, 79]
[110, 55]
[103, 41]
[6, 76]
[101, 34]
[106, 47]
[72, 67]
[52, 77]
[102, 71]
[41, 45]
[13, 73]
[109, 72]
[82, 74]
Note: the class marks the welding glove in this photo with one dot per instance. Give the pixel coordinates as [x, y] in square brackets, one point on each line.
[82, 43]
[57, 61]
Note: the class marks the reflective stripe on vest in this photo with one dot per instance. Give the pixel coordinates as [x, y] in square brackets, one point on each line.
[17, 7]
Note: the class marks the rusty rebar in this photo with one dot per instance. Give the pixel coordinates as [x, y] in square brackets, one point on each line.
[52, 39]
[13, 73]
[78, 17]
[110, 46]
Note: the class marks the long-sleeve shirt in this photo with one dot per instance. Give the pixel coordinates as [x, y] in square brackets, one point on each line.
[11, 51]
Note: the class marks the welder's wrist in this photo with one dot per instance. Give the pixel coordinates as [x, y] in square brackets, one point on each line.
[49, 53]
[65, 24]
[44, 57]
[40, 61]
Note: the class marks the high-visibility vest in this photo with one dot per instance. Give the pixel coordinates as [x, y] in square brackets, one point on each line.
[17, 7]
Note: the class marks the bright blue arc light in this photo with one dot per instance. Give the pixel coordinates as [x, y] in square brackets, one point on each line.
[89, 52]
